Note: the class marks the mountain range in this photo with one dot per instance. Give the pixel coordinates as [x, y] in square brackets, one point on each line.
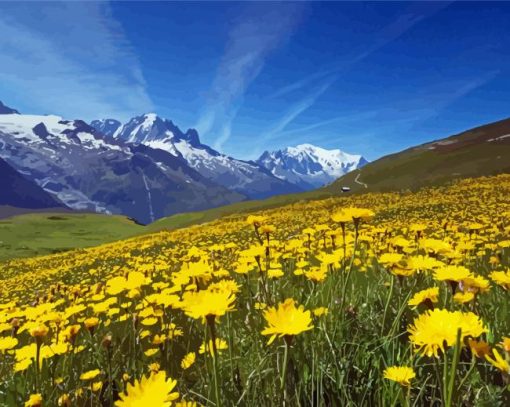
[146, 168]
[309, 166]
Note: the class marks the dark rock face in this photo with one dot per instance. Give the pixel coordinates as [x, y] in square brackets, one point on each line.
[20, 192]
[7, 110]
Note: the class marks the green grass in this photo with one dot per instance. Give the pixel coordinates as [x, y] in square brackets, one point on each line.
[193, 218]
[39, 234]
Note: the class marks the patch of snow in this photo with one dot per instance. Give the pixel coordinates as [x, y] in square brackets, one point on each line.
[493, 139]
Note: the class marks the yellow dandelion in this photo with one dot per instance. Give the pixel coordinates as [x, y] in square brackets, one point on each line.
[154, 391]
[188, 360]
[90, 375]
[428, 297]
[35, 400]
[7, 343]
[400, 374]
[286, 320]
[499, 362]
[431, 331]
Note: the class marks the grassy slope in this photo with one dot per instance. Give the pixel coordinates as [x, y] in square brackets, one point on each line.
[43, 233]
[468, 154]
[193, 218]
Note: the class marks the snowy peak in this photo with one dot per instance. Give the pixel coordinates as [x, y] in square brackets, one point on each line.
[247, 178]
[6, 109]
[52, 132]
[310, 166]
[151, 129]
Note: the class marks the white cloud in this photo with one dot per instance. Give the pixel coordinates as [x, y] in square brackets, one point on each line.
[256, 33]
[71, 59]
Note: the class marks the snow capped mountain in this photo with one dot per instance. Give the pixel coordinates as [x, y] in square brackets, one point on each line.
[85, 170]
[309, 166]
[247, 178]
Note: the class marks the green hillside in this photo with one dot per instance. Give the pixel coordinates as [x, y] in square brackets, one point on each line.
[43, 233]
[478, 152]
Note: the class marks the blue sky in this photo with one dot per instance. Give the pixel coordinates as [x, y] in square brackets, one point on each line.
[368, 78]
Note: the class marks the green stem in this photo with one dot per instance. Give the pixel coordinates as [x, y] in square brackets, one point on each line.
[211, 323]
[445, 378]
[456, 357]
[438, 376]
[37, 369]
[390, 294]
[346, 282]
[110, 378]
[283, 386]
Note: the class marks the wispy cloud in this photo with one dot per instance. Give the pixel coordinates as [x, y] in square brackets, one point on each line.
[70, 58]
[323, 123]
[256, 33]
[296, 109]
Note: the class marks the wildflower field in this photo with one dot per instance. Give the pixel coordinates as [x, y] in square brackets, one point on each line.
[369, 300]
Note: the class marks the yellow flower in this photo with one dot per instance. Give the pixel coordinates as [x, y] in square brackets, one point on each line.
[400, 374]
[316, 274]
[428, 296]
[359, 213]
[505, 344]
[501, 278]
[90, 375]
[220, 345]
[341, 217]
[498, 362]
[452, 273]
[255, 220]
[154, 391]
[39, 331]
[476, 284]
[423, 263]
[463, 297]
[7, 343]
[433, 330]
[390, 259]
[151, 352]
[91, 322]
[286, 320]
[97, 386]
[188, 360]
[64, 401]
[320, 311]
[35, 400]
[149, 321]
[207, 303]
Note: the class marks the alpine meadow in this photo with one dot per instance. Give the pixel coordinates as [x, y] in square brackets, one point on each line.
[227, 251]
[376, 299]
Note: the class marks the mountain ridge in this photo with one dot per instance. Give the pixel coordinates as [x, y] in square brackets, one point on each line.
[88, 171]
[245, 177]
[310, 166]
